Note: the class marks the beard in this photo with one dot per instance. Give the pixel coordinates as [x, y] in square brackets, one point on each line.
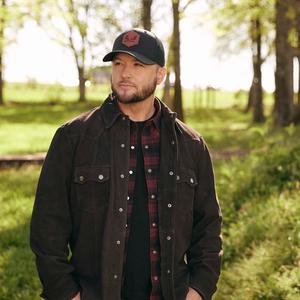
[139, 96]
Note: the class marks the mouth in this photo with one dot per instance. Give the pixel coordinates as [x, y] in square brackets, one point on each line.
[125, 84]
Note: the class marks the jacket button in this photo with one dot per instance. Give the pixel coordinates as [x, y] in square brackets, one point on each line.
[100, 177]
[118, 242]
[121, 209]
[130, 172]
[177, 177]
[146, 147]
[122, 145]
[149, 170]
[81, 178]
[169, 238]
[192, 180]
[155, 278]
[173, 142]
[168, 271]
[115, 276]
[152, 196]
[132, 147]
[122, 176]
[171, 173]
[169, 205]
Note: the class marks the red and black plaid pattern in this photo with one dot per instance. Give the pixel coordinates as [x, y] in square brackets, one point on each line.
[150, 140]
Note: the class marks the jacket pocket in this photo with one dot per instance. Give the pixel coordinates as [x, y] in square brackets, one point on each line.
[186, 185]
[92, 187]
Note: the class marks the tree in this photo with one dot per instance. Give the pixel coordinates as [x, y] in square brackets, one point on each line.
[176, 52]
[12, 17]
[172, 95]
[146, 14]
[243, 25]
[82, 27]
[284, 93]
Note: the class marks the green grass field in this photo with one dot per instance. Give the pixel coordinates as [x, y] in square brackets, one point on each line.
[258, 192]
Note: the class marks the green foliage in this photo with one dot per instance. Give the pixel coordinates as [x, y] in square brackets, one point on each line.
[260, 201]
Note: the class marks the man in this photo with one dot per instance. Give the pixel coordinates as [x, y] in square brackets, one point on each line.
[129, 189]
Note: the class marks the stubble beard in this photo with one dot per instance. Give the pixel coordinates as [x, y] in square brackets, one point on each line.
[139, 96]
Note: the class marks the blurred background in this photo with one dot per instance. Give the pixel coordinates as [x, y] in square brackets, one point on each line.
[233, 75]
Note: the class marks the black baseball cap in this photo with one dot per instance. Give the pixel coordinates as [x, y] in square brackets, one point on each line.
[142, 44]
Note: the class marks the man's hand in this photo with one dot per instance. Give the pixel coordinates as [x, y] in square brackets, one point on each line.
[77, 297]
[193, 295]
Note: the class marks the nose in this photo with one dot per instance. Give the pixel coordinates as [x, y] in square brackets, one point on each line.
[126, 72]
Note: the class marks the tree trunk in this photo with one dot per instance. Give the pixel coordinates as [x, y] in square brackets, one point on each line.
[168, 90]
[176, 52]
[297, 9]
[81, 86]
[167, 97]
[146, 14]
[2, 25]
[258, 113]
[284, 92]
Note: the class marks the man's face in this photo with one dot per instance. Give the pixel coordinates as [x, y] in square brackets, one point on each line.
[132, 81]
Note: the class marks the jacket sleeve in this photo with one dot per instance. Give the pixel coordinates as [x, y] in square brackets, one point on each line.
[204, 254]
[51, 222]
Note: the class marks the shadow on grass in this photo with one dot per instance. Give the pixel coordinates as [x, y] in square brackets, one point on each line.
[46, 113]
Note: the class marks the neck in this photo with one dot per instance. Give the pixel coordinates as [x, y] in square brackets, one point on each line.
[139, 111]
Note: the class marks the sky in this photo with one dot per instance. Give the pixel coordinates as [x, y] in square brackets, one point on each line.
[36, 56]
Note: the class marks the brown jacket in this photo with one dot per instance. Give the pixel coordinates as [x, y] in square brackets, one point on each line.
[81, 205]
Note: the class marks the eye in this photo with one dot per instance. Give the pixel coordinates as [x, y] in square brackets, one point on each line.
[138, 64]
[116, 62]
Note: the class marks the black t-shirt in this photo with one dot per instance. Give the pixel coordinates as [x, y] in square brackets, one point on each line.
[137, 279]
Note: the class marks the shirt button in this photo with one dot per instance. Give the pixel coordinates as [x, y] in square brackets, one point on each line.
[132, 147]
[169, 205]
[118, 242]
[168, 271]
[81, 178]
[126, 225]
[100, 177]
[154, 252]
[121, 209]
[153, 224]
[122, 145]
[155, 278]
[177, 177]
[124, 118]
[152, 196]
[169, 238]
[173, 142]
[115, 276]
[192, 180]
[130, 172]
[122, 176]
[171, 173]
[128, 198]
[146, 147]
[149, 170]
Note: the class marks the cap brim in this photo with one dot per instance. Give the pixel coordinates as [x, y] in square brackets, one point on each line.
[110, 56]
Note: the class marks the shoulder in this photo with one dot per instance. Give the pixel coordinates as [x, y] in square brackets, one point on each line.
[86, 122]
[188, 133]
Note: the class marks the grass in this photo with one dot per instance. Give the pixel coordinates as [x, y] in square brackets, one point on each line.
[18, 277]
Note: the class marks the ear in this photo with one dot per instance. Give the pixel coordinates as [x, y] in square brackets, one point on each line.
[161, 74]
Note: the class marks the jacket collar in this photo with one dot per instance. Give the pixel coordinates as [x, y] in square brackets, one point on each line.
[111, 112]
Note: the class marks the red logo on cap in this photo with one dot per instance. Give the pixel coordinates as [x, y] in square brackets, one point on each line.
[131, 38]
